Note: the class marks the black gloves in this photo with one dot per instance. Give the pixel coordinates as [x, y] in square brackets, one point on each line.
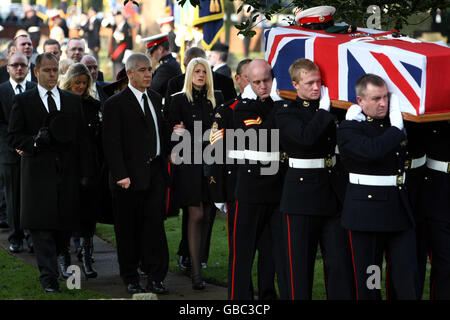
[42, 138]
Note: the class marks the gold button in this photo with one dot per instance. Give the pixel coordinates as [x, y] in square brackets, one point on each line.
[381, 125]
[301, 179]
[369, 196]
[400, 170]
[397, 153]
[229, 172]
[249, 171]
[400, 188]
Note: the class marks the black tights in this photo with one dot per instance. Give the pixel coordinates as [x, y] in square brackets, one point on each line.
[198, 225]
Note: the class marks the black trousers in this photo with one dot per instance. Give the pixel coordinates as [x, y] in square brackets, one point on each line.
[367, 250]
[251, 223]
[3, 213]
[439, 237]
[302, 235]
[47, 246]
[139, 229]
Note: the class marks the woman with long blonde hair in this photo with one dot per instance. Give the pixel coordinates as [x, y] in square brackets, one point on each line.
[194, 106]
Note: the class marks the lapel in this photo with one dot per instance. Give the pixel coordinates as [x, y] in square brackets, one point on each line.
[10, 94]
[40, 107]
[134, 103]
[62, 100]
[29, 85]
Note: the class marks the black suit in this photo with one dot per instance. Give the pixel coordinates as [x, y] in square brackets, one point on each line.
[222, 83]
[224, 70]
[50, 174]
[10, 163]
[4, 75]
[138, 211]
[101, 93]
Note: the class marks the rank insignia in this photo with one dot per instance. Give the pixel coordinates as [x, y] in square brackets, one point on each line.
[305, 103]
[250, 122]
[212, 180]
[215, 133]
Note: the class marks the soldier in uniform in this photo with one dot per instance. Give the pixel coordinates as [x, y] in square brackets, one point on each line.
[259, 184]
[158, 50]
[436, 206]
[376, 212]
[310, 204]
[121, 40]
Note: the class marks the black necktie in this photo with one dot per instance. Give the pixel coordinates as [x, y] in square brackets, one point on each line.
[150, 124]
[19, 87]
[51, 102]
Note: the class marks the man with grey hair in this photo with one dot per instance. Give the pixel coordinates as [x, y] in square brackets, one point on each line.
[135, 151]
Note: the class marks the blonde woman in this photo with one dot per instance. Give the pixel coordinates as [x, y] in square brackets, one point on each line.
[78, 80]
[194, 104]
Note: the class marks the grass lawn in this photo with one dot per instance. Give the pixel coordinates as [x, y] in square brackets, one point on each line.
[19, 280]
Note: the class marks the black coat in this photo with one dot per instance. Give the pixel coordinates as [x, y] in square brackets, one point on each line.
[168, 68]
[8, 155]
[374, 148]
[92, 33]
[224, 70]
[191, 180]
[307, 132]
[125, 135]
[252, 186]
[50, 176]
[222, 83]
[4, 75]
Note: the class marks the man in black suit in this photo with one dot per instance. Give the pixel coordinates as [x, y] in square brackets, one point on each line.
[92, 32]
[158, 50]
[47, 130]
[377, 212]
[218, 59]
[24, 45]
[91, 63]
[9, 159]
[221, 82]
[134, 145]
[52, 46]
[76, 51]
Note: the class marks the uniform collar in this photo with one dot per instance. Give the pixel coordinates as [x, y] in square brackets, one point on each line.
[313, 104]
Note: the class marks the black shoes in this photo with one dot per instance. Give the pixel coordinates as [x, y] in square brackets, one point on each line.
[64, 262]
[16, 247]
[184, 263]
[156, 287]
[86, 258]
[133, 288]
[52, 288]
[197, 282]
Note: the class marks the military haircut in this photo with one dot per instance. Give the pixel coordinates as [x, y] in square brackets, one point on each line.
[365, 80]
[241, 64]
[299, 65]
[50, 42]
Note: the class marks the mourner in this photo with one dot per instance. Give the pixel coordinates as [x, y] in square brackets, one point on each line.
[47, 130]
[23, 44]
[195, 104]
[376, 212]
[79, 81]
[309, 203]
[52, 46]
[135, 151]
[9, 159]
[258, 189]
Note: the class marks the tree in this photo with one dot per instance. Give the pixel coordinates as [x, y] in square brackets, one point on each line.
[354, 12]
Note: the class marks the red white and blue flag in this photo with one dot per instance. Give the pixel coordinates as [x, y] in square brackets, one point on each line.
[418, 72]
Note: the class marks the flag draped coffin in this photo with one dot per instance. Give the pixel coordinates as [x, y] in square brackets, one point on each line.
[418, 72]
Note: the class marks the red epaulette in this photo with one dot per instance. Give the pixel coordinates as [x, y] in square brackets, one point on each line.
[233, 105]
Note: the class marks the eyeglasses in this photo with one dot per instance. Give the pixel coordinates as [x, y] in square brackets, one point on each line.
[16, 65]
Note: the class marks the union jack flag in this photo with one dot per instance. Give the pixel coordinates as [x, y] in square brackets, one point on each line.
[416, 71]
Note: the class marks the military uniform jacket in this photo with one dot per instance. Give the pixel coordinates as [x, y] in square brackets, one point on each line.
[167, 69]
[436, 187]
[224, 173]
[121, 40]
[191, 179]
[50, 175]
[307, 132]
[373, 147]
[251, 185]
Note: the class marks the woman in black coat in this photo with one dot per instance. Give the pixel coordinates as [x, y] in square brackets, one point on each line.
[78, 80]
[194, 107]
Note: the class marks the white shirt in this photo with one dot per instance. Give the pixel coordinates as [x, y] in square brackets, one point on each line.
[28, 77]
[139, 97]
[217, 66]
[55, 96]
[14, 85]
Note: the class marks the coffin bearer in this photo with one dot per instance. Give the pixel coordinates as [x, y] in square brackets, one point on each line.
[310, 203]
[377, 213]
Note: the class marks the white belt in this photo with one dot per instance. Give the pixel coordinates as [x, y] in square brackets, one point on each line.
[235, 154]
[415, 163]
[261, 155]
[312, 163]
[437, 165]
[371, 180]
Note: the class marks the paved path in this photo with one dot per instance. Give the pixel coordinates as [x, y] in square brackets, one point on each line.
[108, 281]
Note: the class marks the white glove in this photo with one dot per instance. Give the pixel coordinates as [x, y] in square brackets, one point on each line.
[273, 92]
[355, 113]
[325, 102]
[222, 206]
[395, 115]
